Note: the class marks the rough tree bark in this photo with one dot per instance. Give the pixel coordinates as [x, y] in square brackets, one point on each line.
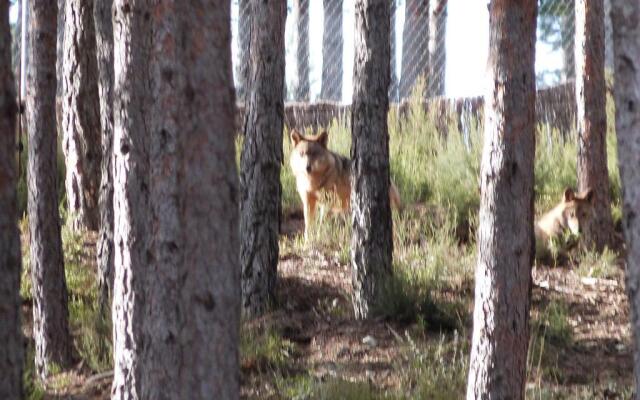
[372, 242]
[244, 37]
[625, 16]
[60, 70]
[81, 115]
[505, 234]
[437, 47]
[104, 52]
[332, 51]
[176, 309]
[24, 52]
[50, 312]
[11, 340]
[262, 158]
[59, 51]
[415, 45]
[301, 90]
[592, 119]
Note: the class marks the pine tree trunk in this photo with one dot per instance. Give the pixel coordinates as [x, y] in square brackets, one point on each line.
[60, 71]
[505, 234]
[626, 40]
[301, 8]
[104, 51]
[60, 51]
[244, 35]
[50, 312]
[332, 51]
[176, 307]
[372, 242]
[24, 52]
[415, 45]
[437, 47]
[131, 215]
[81, 115]
[592, 119]
[262, 158]
[11, 339]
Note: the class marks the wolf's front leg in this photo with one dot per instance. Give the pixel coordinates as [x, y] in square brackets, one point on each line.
[309, 202]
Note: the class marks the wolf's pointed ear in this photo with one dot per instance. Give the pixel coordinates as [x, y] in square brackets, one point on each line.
[323, 139]
[296, 137]
[569, 195]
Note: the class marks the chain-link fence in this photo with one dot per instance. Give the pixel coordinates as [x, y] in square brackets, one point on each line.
[442, 43]
[556, 30]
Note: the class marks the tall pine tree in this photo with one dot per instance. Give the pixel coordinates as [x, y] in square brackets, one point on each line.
[505, 234]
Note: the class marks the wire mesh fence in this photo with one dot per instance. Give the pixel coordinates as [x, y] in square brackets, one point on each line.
[442, 43]
[556, 30]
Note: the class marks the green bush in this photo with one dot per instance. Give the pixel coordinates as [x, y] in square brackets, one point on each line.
[264, 349]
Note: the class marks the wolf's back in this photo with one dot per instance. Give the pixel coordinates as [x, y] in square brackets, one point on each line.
[343, 165]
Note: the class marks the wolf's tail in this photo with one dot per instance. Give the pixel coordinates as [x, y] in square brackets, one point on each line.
[394, 196]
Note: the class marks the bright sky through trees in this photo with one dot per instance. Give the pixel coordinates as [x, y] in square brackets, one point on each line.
[467, 40]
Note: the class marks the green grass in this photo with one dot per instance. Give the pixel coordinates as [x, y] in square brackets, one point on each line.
[424, 268]
[551, 332]
[90, 327]
[592, 264]
[33, 388]
[333, 388]
[92, 333]
[406, 300]
[553, 320]
[556, 162]
[264, 349]
[435, 369]
[555, 168]
[434, 243]
[428, 369]
[434, 261]
[442, 171]
[310, 388]
[424, 166]
[605, 390]
[435, 251]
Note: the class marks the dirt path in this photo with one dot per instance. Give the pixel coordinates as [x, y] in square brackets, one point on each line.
[314, 316]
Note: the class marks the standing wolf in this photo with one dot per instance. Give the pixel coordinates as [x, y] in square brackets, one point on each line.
[317, 170]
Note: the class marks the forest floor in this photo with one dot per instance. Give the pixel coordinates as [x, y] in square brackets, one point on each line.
[310, 345]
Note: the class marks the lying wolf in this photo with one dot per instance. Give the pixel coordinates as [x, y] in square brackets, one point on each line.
[318, 170]
[569, 215]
